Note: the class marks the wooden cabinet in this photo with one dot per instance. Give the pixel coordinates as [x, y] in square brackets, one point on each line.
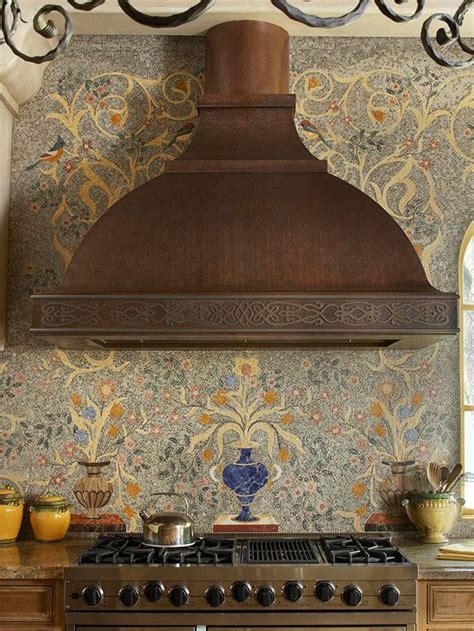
[31, 605]
[445, 605]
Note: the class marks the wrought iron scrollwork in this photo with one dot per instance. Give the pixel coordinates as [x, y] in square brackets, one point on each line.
[15, 15]
[87, 5]
[47, 28]
[446, 36]
[316, 21]
[168, 21]
[384, 7]
[42, 25]
[435, 45]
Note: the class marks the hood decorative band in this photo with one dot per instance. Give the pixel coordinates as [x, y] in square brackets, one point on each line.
[182, 321]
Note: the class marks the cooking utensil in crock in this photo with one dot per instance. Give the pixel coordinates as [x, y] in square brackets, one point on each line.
[168, 529]
[452, 478]
[435, 476]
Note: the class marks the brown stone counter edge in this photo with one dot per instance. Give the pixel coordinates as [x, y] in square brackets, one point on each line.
[429, 567]
[30, 559]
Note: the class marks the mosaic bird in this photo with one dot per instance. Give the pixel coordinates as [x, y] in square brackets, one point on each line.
[51, 156]
[309, 127]
[182, 132]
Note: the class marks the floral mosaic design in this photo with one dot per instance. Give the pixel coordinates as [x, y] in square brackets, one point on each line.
[244, 415]
[76, 189]
[392, 147]
[322, 422]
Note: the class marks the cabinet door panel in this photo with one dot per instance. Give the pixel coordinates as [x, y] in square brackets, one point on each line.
[26, 603]
[451, 602]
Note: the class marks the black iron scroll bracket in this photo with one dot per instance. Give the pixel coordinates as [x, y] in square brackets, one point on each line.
[437, 44]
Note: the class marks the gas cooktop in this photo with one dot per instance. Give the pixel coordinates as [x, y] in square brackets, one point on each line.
[242, 551]
[132, 551]
[241, 576]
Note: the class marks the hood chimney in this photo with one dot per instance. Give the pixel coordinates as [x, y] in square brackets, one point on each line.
[247, 57]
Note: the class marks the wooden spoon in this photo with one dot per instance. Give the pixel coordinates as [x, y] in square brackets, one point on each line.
[434, 475]
[452, 478]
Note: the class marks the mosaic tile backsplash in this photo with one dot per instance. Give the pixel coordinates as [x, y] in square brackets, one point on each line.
[115, 108]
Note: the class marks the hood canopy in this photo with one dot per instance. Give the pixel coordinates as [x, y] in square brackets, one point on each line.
[246, 240]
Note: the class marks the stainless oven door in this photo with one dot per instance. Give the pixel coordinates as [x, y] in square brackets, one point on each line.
[249, 621]
[232, 628]
[344, 628]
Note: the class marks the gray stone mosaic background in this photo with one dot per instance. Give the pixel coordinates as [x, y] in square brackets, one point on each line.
[392, 123]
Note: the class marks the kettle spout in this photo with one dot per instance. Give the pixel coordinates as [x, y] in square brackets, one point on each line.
[145, 514]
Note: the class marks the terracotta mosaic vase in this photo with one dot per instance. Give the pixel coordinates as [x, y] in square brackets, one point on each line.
[93, 491]
[397, 486]
[245, 478]
[434, 514]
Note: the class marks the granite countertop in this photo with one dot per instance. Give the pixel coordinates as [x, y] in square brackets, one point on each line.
[30, 559]
[429, 567]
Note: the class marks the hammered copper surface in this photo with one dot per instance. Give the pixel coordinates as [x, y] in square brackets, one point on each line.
[247, 210]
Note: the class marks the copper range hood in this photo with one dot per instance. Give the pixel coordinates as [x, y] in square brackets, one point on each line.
[246, 240]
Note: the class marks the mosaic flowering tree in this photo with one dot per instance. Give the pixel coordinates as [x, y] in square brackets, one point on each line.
[100, 426]
[395, 428]
[245, 414]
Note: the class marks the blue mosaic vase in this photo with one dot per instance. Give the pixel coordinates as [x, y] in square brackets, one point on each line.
[245, 477]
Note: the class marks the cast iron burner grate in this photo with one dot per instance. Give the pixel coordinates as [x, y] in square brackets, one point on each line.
[363, 550]
[281, 551]
[132, 551]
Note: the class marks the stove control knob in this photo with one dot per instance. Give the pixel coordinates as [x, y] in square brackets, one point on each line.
[241, 591]
[153, 591]
[293, 591]
[179, 595]
[266, 596]
[92, 595]
[324, 591]
[128, 596]
[215, 595]
[352, 595]
[389, 595]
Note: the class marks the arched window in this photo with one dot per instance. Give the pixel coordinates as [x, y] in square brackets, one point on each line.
[466, 288]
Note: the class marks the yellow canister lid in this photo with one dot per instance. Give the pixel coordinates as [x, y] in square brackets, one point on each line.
[49, 501]
[8, 495]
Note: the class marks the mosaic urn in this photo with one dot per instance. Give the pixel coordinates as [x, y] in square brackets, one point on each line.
[245, 478]
[397, 486]
[93, 491]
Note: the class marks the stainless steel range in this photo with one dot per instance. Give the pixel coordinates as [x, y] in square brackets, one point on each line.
[274, 583]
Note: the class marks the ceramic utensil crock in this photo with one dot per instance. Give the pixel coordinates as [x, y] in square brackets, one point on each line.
[50, 518]
[167, 528]
[11, 513]
[434, 514]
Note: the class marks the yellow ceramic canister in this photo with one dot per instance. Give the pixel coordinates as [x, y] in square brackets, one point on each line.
[11, 514]
[49, 517]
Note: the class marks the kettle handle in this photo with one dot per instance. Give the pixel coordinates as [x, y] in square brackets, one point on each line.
[180, 495]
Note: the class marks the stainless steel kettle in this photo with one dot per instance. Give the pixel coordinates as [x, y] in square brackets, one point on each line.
[168, 529]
